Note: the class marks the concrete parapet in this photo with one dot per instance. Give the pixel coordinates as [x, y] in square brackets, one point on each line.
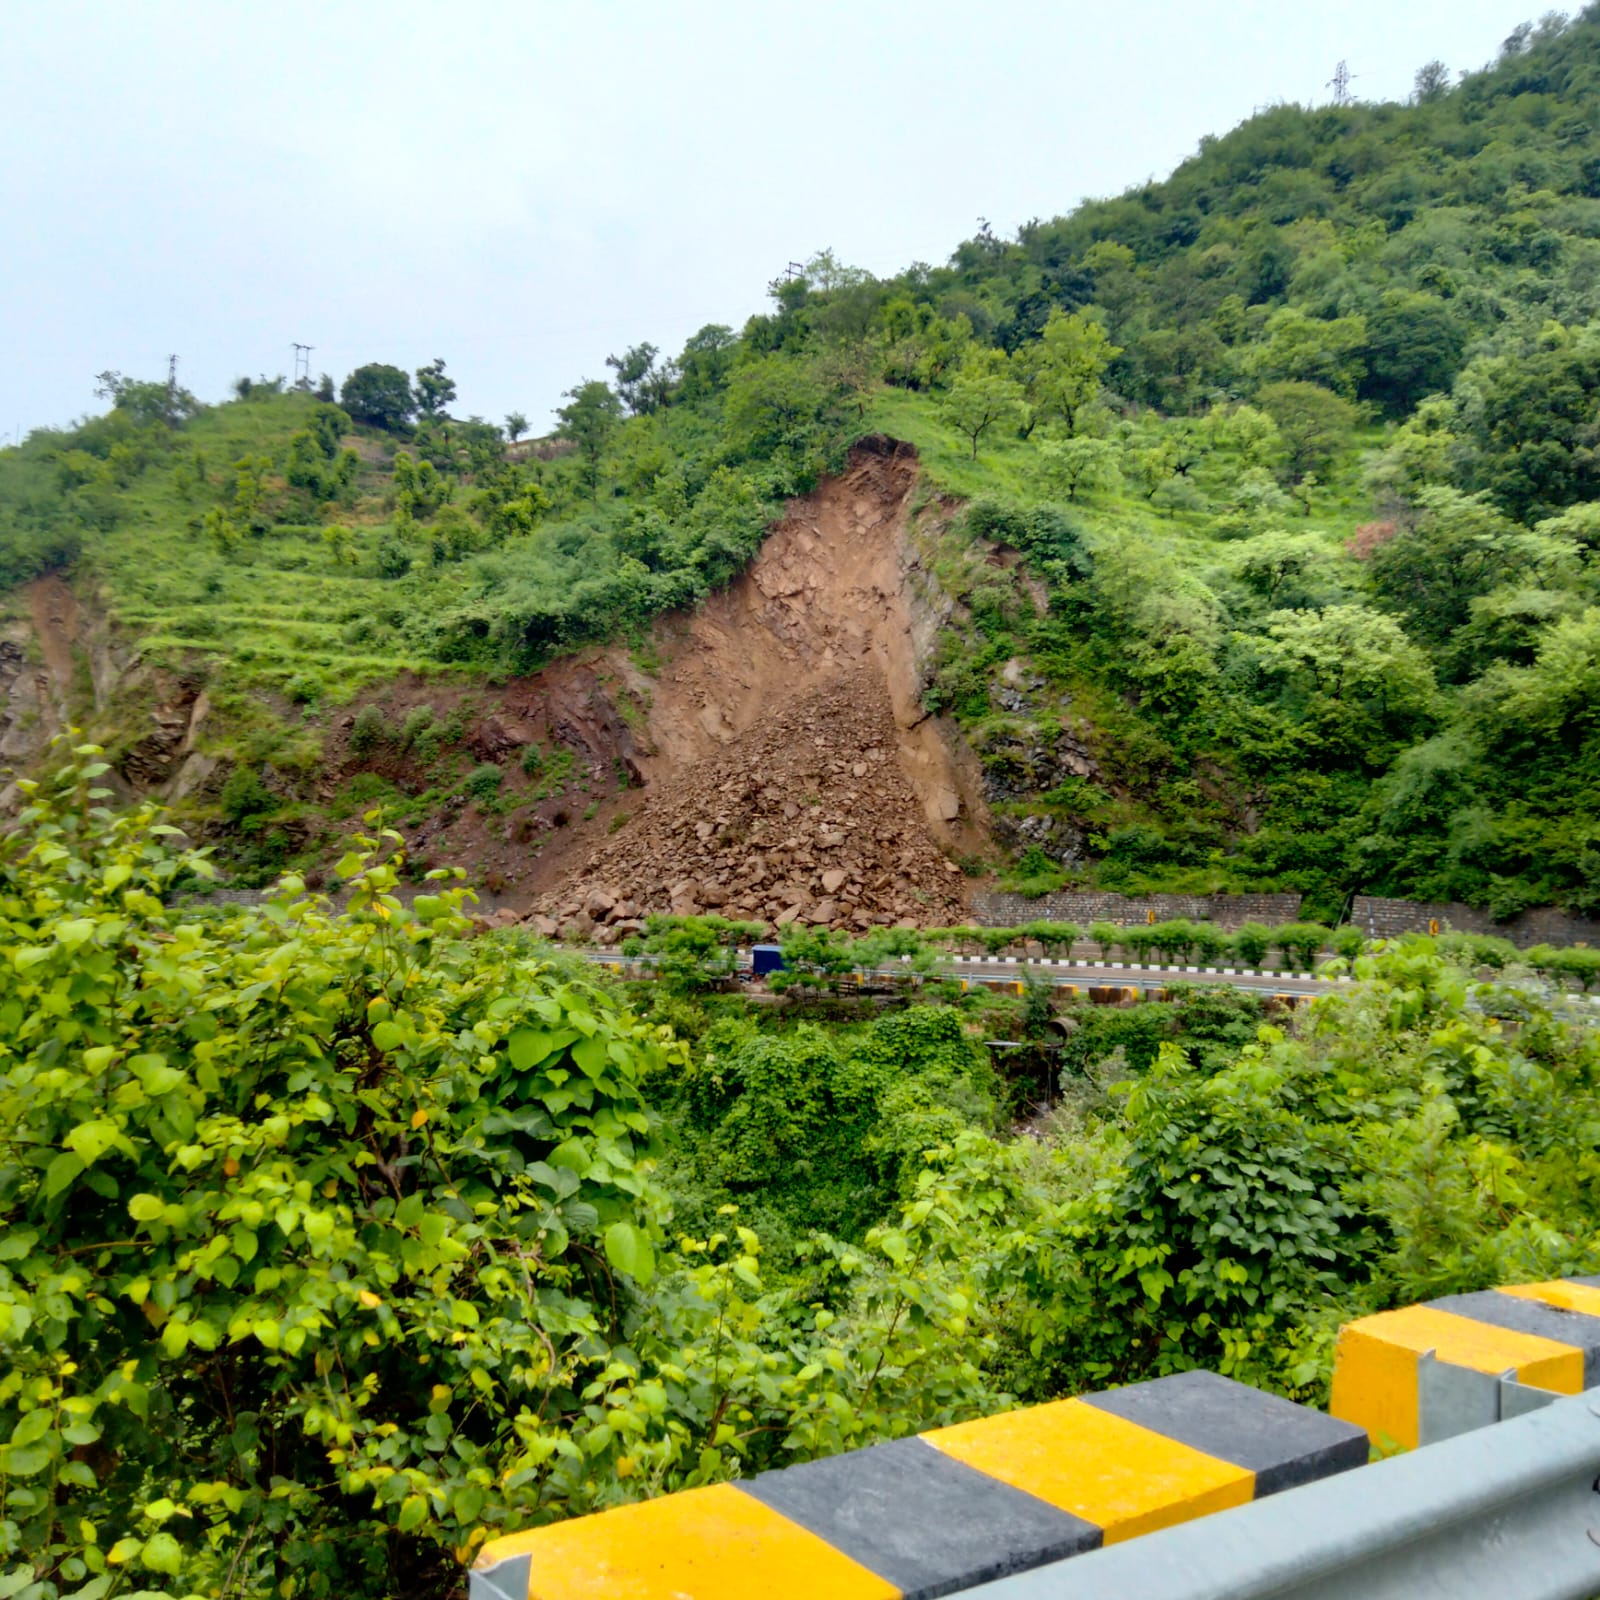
[1427, 1372]
[917, 1518]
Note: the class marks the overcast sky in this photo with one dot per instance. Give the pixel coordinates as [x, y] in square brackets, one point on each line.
[525, 188]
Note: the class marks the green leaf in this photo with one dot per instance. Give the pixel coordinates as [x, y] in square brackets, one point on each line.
[145, 1207]
[388, 1036]
[413, 1512]
[529, 1046]
[61, 1172]
[629, 1251]
[590, 1054]
[91, 1140]
[163, 1553]
[13, 1246]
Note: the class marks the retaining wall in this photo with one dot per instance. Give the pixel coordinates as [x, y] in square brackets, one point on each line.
[992, 909]
[1384, 919]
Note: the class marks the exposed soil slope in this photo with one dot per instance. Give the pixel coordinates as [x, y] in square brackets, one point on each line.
[789, 769]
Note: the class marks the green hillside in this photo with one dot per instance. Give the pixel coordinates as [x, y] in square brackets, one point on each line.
[1298, 448]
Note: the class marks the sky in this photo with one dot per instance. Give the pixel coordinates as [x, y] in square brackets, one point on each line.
[523, 189]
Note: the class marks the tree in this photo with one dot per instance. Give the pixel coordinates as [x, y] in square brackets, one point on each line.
[1431, 82]
[1458, 548]
[641, 384]
[982, 394]
[1063, 370]
[1413, 350]
[1353, 675]
[435, 391]
[1315, 424]
[779, 403]
[516, 425]
[589, 421]
[1306, 349]
[1074, 464]
[380, 396]
[706, 361]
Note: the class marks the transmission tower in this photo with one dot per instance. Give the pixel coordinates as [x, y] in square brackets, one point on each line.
[1340, 83]
[302, 364]
[172, 390]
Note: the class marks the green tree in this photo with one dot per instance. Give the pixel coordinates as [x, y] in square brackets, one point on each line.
[1082, 463]
[780, 403]
[982, 395]
[1314, 424]
[434, 389]
[1065, 367]
[1413, 350]
[641, 384]
[589, 419]
[380, 396]
[516, 425]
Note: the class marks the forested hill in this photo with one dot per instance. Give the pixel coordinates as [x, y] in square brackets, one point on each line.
[1298, 450]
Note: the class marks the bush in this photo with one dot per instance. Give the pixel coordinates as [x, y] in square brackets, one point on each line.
[368, 731]
[1251, 944]
[1034, 875]
[483, 782]
[1300, 943]
[419, 719]
[287, 1275]
[245, 796]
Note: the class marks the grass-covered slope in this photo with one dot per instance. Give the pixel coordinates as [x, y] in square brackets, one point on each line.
[1280, 565]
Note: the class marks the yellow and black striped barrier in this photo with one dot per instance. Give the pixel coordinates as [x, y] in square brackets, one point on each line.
[916, 1518]
[1427, 1372]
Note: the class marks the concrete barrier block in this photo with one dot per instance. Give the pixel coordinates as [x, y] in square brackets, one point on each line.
[1423, 1373]
[920, 1518]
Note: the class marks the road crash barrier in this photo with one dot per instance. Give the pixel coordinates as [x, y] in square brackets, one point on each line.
[1427, 1372]
[920, 1517]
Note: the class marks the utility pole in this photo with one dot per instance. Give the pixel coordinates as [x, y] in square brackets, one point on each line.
[1340, 84]
[302, 365]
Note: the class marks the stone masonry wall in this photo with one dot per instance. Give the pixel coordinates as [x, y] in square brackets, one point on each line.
[1384, 919]
[992, 909]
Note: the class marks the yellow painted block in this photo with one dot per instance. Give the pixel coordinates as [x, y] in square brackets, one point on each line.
[1582, 1297]
[702, 1544]
[1125, 1479]
[1375, 1365]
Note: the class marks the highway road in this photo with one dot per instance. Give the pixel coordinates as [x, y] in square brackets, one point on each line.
[1079, 974]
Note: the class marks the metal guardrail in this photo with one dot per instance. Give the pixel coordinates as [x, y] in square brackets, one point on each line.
[1509, 1512]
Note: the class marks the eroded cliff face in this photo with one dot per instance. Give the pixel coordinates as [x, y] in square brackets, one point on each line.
[61, 667]
[789, 769]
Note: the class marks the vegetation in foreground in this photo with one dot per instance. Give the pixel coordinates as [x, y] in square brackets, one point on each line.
[332, 1243]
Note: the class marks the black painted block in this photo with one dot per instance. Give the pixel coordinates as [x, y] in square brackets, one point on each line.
[923, 1522]
[1282, 1443]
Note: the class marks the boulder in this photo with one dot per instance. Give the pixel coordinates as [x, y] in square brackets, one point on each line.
[833, 880]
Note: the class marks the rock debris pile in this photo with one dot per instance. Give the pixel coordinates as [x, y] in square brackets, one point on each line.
[806, 817]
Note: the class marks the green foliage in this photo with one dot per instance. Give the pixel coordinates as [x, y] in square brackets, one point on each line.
[1251, 942]
[695, 954]
[380, 396]
[368, 731]
[1034, 875]
[280, 1191]
[483, 782]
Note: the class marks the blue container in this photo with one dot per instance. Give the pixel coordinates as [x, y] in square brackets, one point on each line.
[765, 958]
